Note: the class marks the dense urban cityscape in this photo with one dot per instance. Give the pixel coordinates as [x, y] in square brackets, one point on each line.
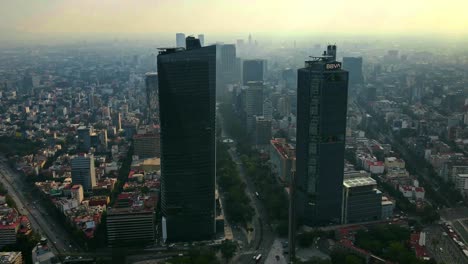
[193, 150]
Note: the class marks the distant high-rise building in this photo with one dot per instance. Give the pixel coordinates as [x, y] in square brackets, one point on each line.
[187, 94]
[252, 71]
[117, 120]
[84, 138]
[192, 43]
[83, 171]
[321, 127]
[262, 134]
[151, 80]
[354, 66]
[228, 63]
[331, 52]
[267, 109]
[253, 103]
[201, 37]
[91, 100]
[180, 40]
[284, 106]
[289, 77]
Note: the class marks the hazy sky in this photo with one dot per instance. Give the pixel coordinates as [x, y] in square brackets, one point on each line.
[222, 16]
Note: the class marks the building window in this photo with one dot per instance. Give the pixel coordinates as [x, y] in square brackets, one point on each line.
[312, 149]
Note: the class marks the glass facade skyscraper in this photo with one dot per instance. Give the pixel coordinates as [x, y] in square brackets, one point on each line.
[187, 85]
[321, 128]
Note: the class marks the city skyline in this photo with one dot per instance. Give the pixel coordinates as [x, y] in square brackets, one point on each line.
[203, 131]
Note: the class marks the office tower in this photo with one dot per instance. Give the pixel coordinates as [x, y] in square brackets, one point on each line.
[146, 145]
[83, 171]
[228, 63]
[321, 127]
[362, 201]
[267, 109]
[180, 40]
[250, 39]
[284, 105]
[84, 138]
[262, 135]
[354, 66]
[151, 81]
[252, 71]
[130, 224]
[331, 52]
[253, 103]
[201, 37]
[117, 120]
[192, 43]
[91, 100]
[27, 84]
[289, 77]
[187, 94]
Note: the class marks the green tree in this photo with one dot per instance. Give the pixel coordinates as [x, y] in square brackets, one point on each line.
[228, 249]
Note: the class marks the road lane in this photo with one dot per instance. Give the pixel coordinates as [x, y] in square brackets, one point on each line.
[43, 223]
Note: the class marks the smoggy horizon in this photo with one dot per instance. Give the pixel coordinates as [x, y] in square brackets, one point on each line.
[52, 20]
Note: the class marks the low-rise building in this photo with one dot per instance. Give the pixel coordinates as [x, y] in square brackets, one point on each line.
[77, 193]
[387, 208]
[282, 157]
[376, 167]
[9, 225]
[42, 254]
[11, 258]
[394, 163]
[132, 221]
[461, 183]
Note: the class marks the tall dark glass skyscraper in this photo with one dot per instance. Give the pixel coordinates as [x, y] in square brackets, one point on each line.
[322, 94]
[187, 84]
